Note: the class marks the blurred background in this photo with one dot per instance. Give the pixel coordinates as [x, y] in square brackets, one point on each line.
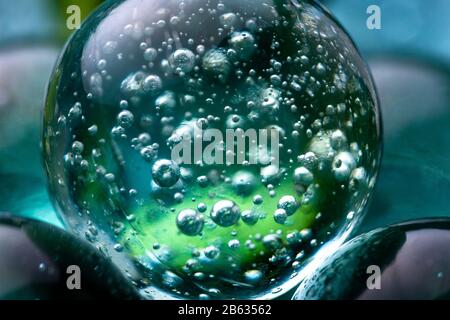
[409, 57]
[410, 61]
[31, 37]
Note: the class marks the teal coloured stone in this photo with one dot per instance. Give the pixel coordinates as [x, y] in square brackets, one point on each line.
[414, 175]
[408, 28]
[23, 77]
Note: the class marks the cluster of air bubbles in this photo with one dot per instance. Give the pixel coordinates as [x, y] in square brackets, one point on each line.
[140, 83]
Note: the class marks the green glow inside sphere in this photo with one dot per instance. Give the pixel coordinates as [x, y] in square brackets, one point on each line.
[141, 78]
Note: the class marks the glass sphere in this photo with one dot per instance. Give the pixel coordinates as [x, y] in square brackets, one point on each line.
[139, 79]
[405, 261]
[35, 258]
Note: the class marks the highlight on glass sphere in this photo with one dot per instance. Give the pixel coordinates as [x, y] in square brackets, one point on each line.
[213, 147]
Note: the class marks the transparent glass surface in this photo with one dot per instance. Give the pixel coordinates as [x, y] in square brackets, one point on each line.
[140, 74]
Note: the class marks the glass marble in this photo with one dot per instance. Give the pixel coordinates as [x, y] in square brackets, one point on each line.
[412, 257]
[139, 75]
[34, 257]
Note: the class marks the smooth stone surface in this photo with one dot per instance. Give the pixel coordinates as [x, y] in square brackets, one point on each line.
[23, 79]
[414, 180]
[413, 259]
[34, 260]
